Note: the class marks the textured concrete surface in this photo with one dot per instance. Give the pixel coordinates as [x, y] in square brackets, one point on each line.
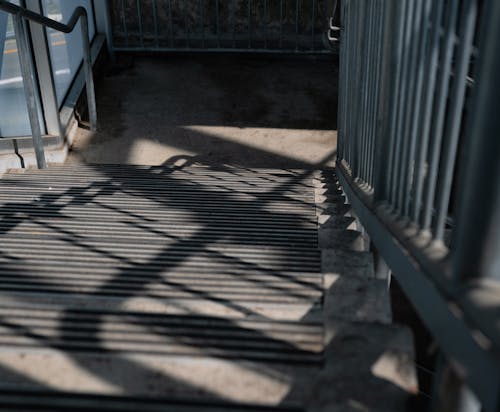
[369, 367]
[259, 112]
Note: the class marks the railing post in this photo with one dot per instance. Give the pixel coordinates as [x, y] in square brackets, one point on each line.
[89, 79]
[477, 234]
[29, 89]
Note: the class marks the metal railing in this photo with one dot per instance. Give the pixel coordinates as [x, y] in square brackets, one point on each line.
[291, 26]
[19, 15]
[419, 158]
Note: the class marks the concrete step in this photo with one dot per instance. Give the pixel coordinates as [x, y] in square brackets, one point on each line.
[368, 367]
[139, 354]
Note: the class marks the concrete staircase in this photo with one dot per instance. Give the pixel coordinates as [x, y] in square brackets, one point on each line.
[198, 288]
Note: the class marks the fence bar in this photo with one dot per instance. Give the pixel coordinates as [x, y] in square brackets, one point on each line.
[124, 20]
[266, 22]
[417, 43]
[405, 73]
[363, 90]
[297, 13]
[414, 124]
[217, 21]
[313, 20]
[155, 22]
[29, 89]
[249, 24]
[477, 235]
[89, 78]
[202, 21]
[393, 49]
[233, 17]
[186, 27]
[171, 22]
[452, 129]
[139, 19]
[440, 105]
[381, 22]
[425, 115]
[281, 23]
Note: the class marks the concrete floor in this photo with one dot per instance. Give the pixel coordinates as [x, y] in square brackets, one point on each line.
[250, 111]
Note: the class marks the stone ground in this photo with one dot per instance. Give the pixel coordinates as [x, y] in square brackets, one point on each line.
[242, 110]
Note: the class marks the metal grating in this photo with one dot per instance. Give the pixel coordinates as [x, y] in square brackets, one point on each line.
[234, 234]
[31, 401]
[151, 281]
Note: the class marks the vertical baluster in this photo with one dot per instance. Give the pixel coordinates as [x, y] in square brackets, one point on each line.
[29, 89]
[139, 17]
[425, 116]
[266, 18]
[365, 65]
[249, 24]
[341, 113]
[409, 113]
[439, 116]
[217, 21]
[124, 21]
[397, 66]
[452, 129]
[186, 27]
[155, 22]
[399, 138]
[297, 14]
[233, 16]
[476, 236]
[281, 24]
[202, 22]
[391, 58]
[171, 23]
[313, 21]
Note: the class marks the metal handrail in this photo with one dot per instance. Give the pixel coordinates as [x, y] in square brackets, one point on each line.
[19, 13]
[413, 129]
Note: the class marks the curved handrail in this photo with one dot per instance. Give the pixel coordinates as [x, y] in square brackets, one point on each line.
[20, 13]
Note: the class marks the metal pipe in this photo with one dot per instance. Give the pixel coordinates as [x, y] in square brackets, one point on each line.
[249, 24]
[438, 121]
[139, 17]
[417, 43]
[425, 115]
[29, 89]
[124, 21]
[454, 117]
[313, 18]
[400, 137]
[297, 12]
[171, 23]
[89, 78]
[217, 22]
[476, 243]
[399, 98]
[80, 13]
[281, 23]
[202, 19]
[155, 22]
[266, 22]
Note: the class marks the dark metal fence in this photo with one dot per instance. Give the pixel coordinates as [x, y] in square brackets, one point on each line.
[419, 157]
[222, 25]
